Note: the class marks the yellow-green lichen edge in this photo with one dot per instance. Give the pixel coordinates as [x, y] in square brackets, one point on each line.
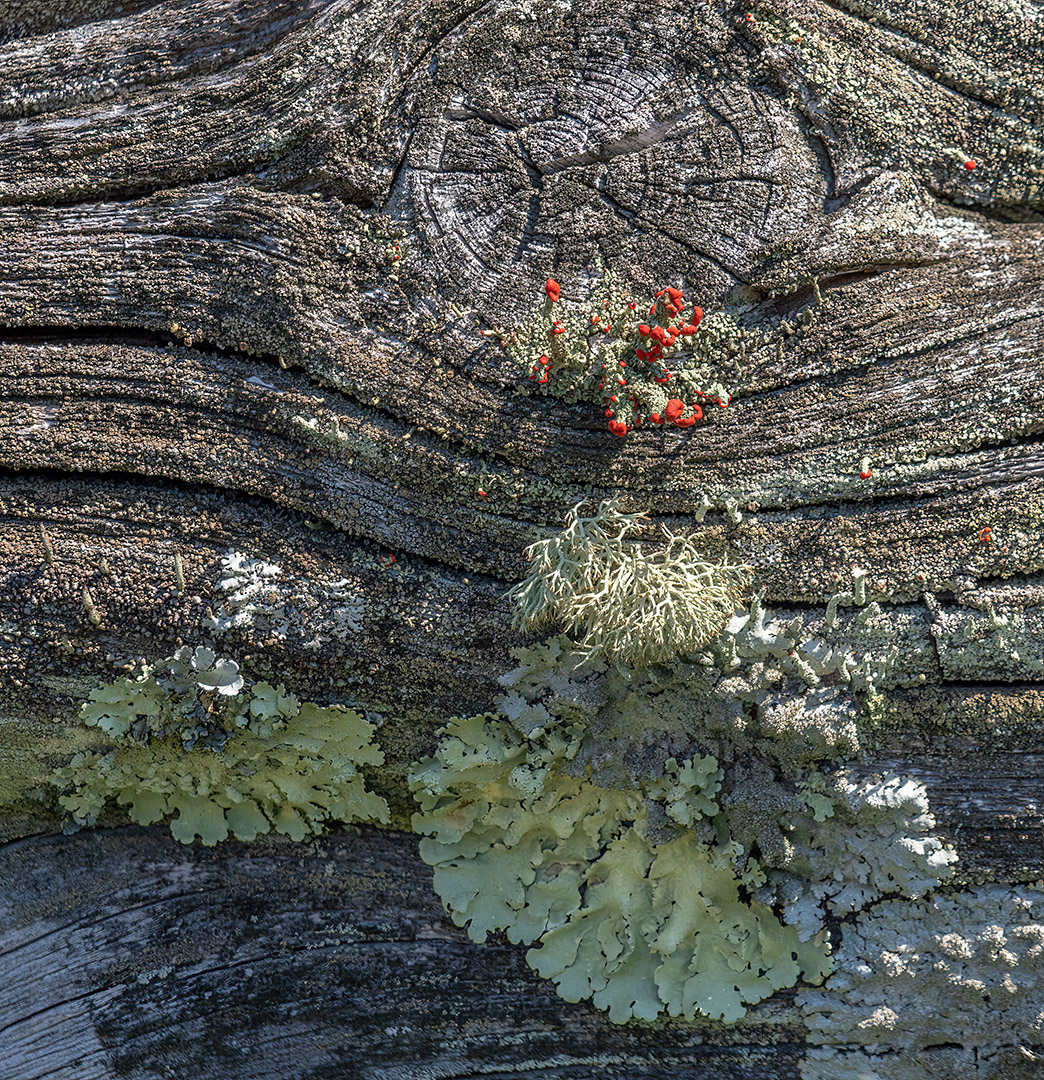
[194, 743]
[632, 899]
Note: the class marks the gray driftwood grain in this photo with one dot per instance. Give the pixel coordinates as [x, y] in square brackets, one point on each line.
[205, 346]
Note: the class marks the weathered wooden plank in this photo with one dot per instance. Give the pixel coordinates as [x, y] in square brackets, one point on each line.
[208, 345]
[931, 85]
[267, 282]
[213, 419]
[126, 952]
[90, 63]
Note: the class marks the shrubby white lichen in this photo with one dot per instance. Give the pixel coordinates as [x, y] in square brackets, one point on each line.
[193, 743]
[631, 605]
[862, 841]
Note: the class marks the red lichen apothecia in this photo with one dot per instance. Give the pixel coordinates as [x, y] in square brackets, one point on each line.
[598, 350]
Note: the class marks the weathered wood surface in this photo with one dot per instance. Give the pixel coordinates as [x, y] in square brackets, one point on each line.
[204, 347]
[197, 947]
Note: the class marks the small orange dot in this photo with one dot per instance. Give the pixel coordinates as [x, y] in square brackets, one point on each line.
[969, 165]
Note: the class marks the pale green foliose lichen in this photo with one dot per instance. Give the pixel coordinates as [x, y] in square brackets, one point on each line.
[632, 606]
[192, 694]
[788, 692]
[712, 787]
[244, 763]
[633, 897]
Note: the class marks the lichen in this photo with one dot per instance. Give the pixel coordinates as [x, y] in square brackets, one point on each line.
[787, 691]
[257, 597]
[640, 367]
[1002, 645]
[943, 986]
[633, 607]
[862, 841]
[645, 827]
[192, 694]
[632, 897]
[955, 124]
[220, 759]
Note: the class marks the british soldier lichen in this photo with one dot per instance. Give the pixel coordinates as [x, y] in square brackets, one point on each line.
[642, 366]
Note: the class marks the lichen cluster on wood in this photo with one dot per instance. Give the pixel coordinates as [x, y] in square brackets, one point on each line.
[193, 743]
[632, 605]
[249, 249]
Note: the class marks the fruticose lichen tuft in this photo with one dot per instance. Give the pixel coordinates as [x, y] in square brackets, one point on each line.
[222, 758]
[633, 607]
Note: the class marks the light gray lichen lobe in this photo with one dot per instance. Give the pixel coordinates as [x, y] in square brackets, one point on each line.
[955, 979]
[256, 597]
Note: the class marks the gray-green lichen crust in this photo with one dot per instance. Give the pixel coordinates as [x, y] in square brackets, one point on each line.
[949, 985]
[193, 743]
